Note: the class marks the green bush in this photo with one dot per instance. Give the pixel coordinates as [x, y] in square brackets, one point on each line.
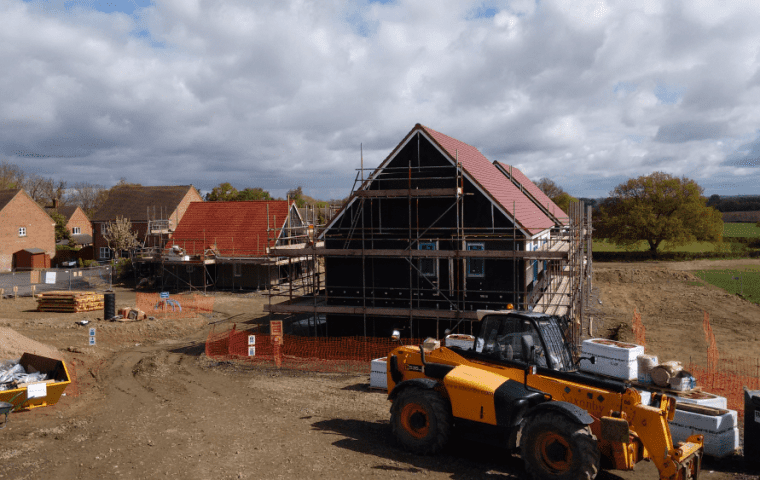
[121, 268]
[91, 263]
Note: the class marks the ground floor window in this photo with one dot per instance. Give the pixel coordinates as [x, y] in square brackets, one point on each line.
[237, 269]
[105, 253]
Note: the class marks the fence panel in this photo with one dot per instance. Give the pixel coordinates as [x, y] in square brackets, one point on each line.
[91, 278]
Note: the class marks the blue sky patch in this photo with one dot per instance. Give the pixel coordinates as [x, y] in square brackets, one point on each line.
[105, 6]
[668, 94]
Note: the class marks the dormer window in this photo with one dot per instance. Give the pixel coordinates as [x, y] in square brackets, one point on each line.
[76, 231]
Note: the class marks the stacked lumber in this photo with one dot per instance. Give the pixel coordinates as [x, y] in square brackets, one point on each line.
[69, 302]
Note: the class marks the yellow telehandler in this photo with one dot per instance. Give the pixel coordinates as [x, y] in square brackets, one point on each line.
[518, 385]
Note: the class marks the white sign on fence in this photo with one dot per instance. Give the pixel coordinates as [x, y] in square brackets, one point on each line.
[36, 390]
[92, 331]
[251, 351]
[251, 339]
[50, 277]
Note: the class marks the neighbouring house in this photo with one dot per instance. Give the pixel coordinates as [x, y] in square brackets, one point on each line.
[437, 231]
[27, 233]
[225, 245]
[153, 211]
[77, 222]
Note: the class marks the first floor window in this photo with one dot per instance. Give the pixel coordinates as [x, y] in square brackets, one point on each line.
[104, 229]
[22, 231]
[76, 231]
[237, 269]
[428, 266]
[105, 253]
[476, 267]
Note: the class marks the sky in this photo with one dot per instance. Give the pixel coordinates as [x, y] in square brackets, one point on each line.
[284, 93]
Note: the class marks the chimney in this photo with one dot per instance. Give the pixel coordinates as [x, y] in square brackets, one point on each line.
[55, 203]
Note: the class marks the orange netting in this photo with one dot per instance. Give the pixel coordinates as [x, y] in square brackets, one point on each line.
[176, 306]
[325, 354]
[728, 377]
[638, 328]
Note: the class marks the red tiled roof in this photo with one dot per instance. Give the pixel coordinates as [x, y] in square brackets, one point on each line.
[537, 193]
[236, 228]
[490, 179]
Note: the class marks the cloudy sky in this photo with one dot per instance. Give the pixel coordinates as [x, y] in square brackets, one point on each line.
[280, 93]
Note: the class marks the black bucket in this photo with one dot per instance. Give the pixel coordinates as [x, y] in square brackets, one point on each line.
[109, 305]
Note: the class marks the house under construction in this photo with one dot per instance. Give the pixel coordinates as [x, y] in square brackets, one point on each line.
[435, 233]
[225, 245]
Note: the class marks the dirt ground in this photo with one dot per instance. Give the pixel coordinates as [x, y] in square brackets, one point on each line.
[151, 405]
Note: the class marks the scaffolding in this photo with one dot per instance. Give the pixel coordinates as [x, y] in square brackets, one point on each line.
[551, 270]
[215, 262]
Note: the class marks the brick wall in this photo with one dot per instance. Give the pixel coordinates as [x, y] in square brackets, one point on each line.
[22, 211]
[79, 219]
[191, 196]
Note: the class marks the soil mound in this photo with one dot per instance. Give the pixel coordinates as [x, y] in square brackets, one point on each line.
[13, 345]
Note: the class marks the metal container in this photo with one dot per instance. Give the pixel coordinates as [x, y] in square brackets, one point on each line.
[752, 425]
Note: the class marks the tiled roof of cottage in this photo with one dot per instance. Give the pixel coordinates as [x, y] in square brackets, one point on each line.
[133, 202]
[491, 180]
[522, 180]
[236, 229]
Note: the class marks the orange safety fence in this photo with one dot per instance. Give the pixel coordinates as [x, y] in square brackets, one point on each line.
[638, 328]
[176, 306]
[728, 376]
[323, 354]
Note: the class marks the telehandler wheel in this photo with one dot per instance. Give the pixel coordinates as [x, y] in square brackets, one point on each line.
[421, 420]
[555, 447]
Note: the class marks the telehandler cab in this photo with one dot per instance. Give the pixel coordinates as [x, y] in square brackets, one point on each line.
[519, 386]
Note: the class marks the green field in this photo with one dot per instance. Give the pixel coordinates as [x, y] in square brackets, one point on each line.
[744, 281]
[740, 230]
[602, 245]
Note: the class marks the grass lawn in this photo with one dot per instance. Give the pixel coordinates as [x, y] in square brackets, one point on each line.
[742, 280]
[740, 230]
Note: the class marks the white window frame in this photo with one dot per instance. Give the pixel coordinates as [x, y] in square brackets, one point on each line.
[105, 253]
[22, 231]
[76, 230]
[480, 246]
[434, 260]
[237, 269]
[104, 229]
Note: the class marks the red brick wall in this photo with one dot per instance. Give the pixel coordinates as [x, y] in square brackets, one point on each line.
[79, 219]
[22, 211]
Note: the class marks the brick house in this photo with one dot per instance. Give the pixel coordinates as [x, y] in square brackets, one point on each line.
[154, 212]
[77, 222]
[27, 233]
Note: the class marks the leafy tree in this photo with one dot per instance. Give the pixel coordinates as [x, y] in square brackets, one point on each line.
[253, 194]
[297, 196]
[757, 224]
[11, 176]
[120, 236]
[225, 192]
[61, 232]
[655, 208]
[563, 201]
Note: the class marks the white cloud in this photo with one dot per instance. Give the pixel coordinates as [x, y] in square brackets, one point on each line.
[281, 93]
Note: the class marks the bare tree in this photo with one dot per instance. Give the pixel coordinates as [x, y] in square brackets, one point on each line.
[120, 236]
[88, 196]
[550, 188]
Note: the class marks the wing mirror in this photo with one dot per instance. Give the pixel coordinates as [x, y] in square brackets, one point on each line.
[528, 348]
[396, 335]
[591, 359]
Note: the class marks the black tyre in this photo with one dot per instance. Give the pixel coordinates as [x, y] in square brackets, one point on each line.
[421, 420]
[555, 447]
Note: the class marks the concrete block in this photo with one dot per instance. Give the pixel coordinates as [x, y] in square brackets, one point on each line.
[717, 444]
[612, 349]
[462, 341]
[378, 377]
[705, 423]
[703, 398]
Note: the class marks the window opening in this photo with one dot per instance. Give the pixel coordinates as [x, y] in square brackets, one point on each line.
[476, 267]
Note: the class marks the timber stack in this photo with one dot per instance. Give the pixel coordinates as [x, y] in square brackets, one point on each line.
[69, 302]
